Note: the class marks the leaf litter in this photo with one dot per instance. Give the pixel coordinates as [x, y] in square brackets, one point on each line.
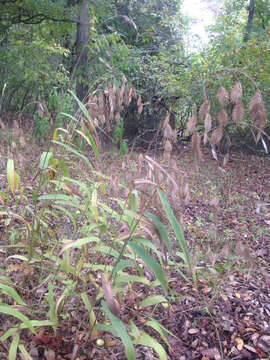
[226, 317]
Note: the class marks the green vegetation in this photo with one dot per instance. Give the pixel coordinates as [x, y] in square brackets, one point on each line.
[102, 246]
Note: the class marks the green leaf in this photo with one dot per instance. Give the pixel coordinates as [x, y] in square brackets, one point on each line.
[147, 243]
[35, 323]
[50, 299]
[8, 333]
[75, 152]
[99, 267]
[55, 197]
[68, 214]
[79, 243]
[151, 263]
[147, 340]
[122, 264]
[121, 331]
[83, 108]
[89, 306]
[161, 229]
[12, 355]
[126, 278]
[178, 232]
[8, 310]
[153, 300]
[11, 175]
[44, 160]
[8, 290]
[104, 327]
[25, 353]
[90, 141]
[153, 323]
[106, 250]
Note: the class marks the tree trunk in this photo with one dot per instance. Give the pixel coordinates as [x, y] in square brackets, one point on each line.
[82, 41]
[250, 19]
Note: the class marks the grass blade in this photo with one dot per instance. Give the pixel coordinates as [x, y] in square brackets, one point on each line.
[44, 160]
[25, 353]
[120, 329]
[151, 263]
[75, 152]
[11, 175]
[12, 355]
[153, 300]
[8, 310]
[79, 243]
[149, 341]
[161, 229]
[8, 290]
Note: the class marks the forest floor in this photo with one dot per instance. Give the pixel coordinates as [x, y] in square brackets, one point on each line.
[227, 231]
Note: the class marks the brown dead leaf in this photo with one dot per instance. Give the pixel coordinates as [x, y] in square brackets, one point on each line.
[212, 353]
[112, 303]
[239, 343]
[49, 354]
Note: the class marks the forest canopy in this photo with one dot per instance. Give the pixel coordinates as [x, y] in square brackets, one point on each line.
[48, 47]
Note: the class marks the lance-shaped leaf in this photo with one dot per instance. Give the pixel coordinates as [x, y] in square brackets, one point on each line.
[121, 331]
[151, 263]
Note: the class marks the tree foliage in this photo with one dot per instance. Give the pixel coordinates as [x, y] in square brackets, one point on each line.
[43, 46]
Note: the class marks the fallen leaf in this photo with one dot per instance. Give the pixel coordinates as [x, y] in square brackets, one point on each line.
[240, 343]
[49, 354]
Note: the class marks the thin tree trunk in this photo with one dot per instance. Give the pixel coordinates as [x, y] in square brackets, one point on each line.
[250, 19]
[82, 42]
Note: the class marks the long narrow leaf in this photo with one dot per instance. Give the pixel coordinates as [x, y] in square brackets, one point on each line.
[92, 316]
[161, 229]
[147, 243]
[25, 353]
[11, 175]
[178, 232]
[153, 300]
[91, 142]
[83, 108]
[176, 226]
[151, 263]
[121, 331]
[8, 310]
[55, 197]
[12, 355]
[126, 278]
[149, 341]
[79, 243]
[153, 323]
[75, 152]
[50, 298]
[35, 323]
[122, 264]
[44, 160]
[8, 290]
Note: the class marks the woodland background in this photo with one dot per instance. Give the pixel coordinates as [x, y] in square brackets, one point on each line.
[134, 188]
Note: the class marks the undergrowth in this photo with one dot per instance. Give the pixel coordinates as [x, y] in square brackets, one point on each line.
[87, 241]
